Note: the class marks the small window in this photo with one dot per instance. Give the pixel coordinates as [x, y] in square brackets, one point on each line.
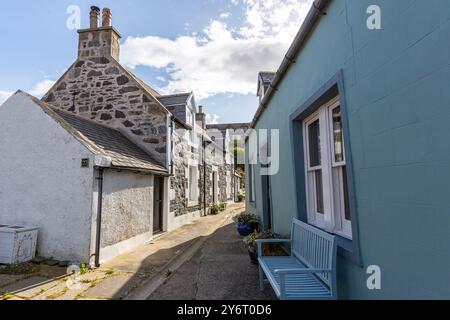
[85, 163]
[326, 171]
[193, 184]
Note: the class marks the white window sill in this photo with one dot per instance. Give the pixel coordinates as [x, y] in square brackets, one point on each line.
[193, 203]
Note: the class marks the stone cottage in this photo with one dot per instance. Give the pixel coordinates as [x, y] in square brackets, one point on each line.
[176, 171]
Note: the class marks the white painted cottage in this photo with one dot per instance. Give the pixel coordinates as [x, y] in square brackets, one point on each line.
[53, 168]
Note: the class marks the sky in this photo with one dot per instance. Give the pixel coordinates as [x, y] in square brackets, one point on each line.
[214, 48]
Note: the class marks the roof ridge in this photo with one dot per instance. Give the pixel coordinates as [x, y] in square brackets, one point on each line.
[175, 95]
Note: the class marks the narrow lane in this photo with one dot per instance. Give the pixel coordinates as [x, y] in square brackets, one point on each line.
[220, 270]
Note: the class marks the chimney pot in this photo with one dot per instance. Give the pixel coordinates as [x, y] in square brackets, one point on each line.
[95, 12]
[106, 17]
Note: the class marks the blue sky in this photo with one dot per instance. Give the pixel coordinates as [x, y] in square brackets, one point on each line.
[212, 47]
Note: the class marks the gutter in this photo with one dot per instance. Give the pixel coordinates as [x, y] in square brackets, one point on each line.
[314, 15]
[99, 217]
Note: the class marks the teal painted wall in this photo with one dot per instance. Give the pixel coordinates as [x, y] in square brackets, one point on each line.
[397, 91]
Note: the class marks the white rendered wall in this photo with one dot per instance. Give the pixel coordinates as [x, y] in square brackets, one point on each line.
[127, 215]
[41, 180]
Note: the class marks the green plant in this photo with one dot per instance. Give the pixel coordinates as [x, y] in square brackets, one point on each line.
[268, 249]
[83, 268]
[246, 218]
[110, 271]
[215, 209]
[241, 196]
[223, 206]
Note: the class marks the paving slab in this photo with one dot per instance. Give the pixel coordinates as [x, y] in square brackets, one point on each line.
[29, 287]
[6, 279]
[73, 294]
[110, 288]
[52, 293]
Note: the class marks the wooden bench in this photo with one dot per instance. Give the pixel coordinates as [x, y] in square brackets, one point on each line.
[309, 273]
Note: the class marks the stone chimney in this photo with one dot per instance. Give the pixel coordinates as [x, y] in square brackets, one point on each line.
[95, 12]
[98, 42]
[201, 118]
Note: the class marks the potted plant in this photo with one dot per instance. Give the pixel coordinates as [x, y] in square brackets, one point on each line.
[215, 209]
[268, 249]
[246, 223]
[241, 196]
[223, 206]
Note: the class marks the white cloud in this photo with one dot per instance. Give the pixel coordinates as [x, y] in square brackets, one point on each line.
[225, 15]
[4, 95]
[38, 90]
[212, 119]
[41, 88]
[221, 58]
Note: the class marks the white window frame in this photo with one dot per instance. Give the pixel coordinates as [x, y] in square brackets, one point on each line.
[191, 121]
[333, 219]
[252, 192]
[193, 187]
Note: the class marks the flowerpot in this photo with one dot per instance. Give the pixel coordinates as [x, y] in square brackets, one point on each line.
[244, 229]
[253, 255]
[254, 226]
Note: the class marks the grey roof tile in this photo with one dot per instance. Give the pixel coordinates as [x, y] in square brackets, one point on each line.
[174, 99]
[103, 140]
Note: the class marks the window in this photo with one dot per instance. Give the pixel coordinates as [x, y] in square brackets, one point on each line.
[191, 122]
[193, 184]
[326, 171]
[251, 173]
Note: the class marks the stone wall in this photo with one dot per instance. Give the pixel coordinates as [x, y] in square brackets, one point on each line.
[100, 89]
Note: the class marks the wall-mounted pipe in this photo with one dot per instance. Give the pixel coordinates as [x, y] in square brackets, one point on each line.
[99, 216]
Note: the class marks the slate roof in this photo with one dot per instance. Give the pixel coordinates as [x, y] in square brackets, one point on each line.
[104, 141]
[175, 99]
[267, 77]
[176, 104]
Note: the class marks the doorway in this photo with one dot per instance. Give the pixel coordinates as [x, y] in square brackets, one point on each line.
[267, 202]
[158, 205]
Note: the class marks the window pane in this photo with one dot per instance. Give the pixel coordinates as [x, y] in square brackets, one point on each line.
[319, 192]
[337, 134]
[314, 144]
[348, 215]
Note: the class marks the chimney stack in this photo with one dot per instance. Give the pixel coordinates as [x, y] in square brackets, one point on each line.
[106, 17]
[95, 13]
[99, 41]
[201, 118]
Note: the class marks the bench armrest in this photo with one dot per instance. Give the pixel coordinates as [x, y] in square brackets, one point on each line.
[297, 271]
[262, 241]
